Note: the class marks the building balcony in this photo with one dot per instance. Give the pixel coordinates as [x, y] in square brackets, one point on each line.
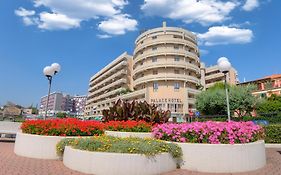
[163, 51]
[108, 73]
[108, 79]
[160, 40]
[164, 64]
[108, 87]
[159, 77]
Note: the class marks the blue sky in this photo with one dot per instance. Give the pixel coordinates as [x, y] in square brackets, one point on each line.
[85, 35]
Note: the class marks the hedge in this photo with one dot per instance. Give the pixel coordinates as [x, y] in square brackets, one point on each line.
[273, 133]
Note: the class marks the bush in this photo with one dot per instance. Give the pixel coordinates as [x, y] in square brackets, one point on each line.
[128, 126]
[123, 111]
[148, 147]
[273, 133]
[210, 132]
[62, 127]
[271, 120]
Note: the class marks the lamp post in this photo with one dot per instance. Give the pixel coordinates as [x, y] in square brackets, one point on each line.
[49, 72]
[224, 67]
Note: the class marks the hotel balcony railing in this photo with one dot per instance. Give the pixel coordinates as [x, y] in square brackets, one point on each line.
[158, 77]
[163, 51]
[177, 64]
[178, 41]
[108, 87]
[191, 100]
[108, 73]
[214, 76]
[110, 78]
[193, 91]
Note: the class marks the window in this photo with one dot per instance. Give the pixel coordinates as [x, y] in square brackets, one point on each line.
[155, 86]
[177, 71]
[155, 72]
[177, 86]
[154, 59]
[177, 58]
[154, 37]
[154, 48]
[176, 47]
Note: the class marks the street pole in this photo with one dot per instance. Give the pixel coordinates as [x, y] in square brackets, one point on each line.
[49, 90]
[227, 98]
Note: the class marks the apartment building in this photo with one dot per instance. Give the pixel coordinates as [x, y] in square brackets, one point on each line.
[165, 70]
[60, 102]
[112, 81]
[266, 86]
[213, 76]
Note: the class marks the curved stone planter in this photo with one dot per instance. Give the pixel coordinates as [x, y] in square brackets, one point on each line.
[223, 158]
[129, 134]
[102, 163]
[37, 146]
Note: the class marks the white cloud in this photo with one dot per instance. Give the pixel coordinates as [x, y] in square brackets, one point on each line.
[118, 25]
[27, 16]
[250, 5]
[204, 12]
[223, 35]
[53, 21]
[66, 14]
[23, 12]
[104, 36]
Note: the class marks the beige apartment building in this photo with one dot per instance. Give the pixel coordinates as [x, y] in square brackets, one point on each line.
[165, 70]
[213, 76]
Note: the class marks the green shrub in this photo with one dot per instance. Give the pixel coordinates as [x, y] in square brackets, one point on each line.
[147, 147]
[271, 120]
[273, 133]
[123, 111]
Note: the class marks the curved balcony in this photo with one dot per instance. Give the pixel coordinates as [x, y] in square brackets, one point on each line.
[159, 77]
[176, 64]
[165, 41]
[166, 52]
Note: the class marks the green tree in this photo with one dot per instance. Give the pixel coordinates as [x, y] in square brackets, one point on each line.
[213, 100]
[270, 105]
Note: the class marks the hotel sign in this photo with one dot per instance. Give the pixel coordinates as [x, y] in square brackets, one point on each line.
[166, 100]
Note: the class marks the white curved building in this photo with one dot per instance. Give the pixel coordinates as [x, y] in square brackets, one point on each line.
[166, 63]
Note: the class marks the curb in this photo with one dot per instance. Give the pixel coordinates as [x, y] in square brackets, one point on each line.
[272, 145]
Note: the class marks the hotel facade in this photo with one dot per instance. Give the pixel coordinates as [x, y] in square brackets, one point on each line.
[165, 70]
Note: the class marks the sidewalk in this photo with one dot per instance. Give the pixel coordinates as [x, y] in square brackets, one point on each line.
[11, 164]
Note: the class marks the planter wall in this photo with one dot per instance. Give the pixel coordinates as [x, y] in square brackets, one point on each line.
[129, 134]
[223, 158]
[37, 146]
[100, 163]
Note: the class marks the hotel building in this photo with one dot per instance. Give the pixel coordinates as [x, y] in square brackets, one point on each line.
[213, 76]
[164, 70]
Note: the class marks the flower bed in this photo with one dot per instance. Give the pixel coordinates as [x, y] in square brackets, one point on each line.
[217, 147]
[112, 155]
[38, 138]
[128, 128]
[210, 132]
[62, 127]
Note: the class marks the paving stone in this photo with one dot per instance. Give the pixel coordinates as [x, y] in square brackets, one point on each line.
[11, 164]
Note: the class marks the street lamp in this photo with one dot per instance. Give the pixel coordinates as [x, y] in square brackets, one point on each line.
[49, 72]
[224, 67]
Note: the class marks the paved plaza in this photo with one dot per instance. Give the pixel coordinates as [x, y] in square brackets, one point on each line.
[11, 164]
